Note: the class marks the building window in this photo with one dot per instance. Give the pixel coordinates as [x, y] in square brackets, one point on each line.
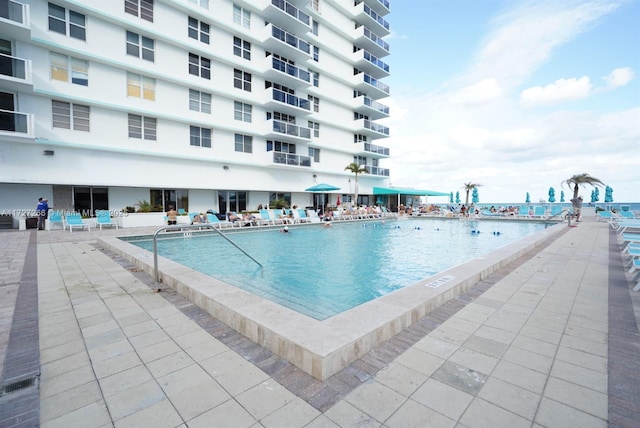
[141, 8]
[315, 101]
[242, 80]
[279, 146]
[241, 48]
[241, 16]
[141, 87]
[360, 160]
[70, 116]
[200, 137]
[140, 46]
[316, 78]
[244, 143]
[199, 101]
[359, 138]
[65, 22]
[142, 127]
[69, 69]
[232, 201]
[315, 126]
[315, 27]
[316, 53]
[202, 3]
[200, 66]
[314, 153]
[242, 111]
[199, 30]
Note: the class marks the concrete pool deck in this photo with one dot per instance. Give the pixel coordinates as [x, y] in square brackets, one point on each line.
[549, 340]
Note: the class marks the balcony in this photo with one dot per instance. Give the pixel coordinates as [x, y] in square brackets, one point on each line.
[368, 107]
[378, 150]
[371, 129]
[365, 15]
[291, 159]
[285, 73]
[367, 39]
[15, 22]
[380, 6]
[15, 73]
[277, 40]
[286, 15]
[286, 103]
[375, 170]
[15, 124]
[371, 64]
[371, 86]
[294, 133]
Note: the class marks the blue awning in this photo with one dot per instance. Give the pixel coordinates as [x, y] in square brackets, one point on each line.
[401, 191]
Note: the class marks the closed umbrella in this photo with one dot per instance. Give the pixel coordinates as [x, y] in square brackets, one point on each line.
[474, 196]
[457, 197]
[608, 194]
[552, 194]
[562, 196]
[451, 198]
[528, 198]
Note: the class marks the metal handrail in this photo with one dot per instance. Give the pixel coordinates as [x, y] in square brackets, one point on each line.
[556, 215]
[192, 226]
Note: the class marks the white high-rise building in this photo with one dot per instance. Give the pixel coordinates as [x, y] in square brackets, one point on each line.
[204, 104]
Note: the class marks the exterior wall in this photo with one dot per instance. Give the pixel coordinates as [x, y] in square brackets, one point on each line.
[107, 157]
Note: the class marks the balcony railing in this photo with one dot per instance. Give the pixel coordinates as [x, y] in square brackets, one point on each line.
[375, 39]
[292, 11]
[375, 170]
[291, 159]
[12, 121]
[375, 61]
[372, 148]
[13, 11]
[376, 105]
[380, 20]
[376, 84]
[290, 129]
[291, 100]
[14, 67]
[291, 70]
[290, 39]
[376, 127]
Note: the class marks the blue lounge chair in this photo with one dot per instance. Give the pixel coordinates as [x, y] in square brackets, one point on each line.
[302, 216]
[539, 211]
[216, 222]
[626, 214]
[103, 218]
[75, 220]
[604, 215]
[181, 211]
[269, 219]
[555, 210]
[55, 217]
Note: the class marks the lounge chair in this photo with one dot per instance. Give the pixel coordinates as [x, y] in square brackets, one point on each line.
[539, 211]
[55, 217]
[301, 216]
[216, 222]
[555, 210]
[75, 220]
[181, 211]
[103, 218]
[626, 214]
[269, 218]
[604, 215]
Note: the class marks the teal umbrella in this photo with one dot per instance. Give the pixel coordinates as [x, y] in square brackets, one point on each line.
[608, 194]
[528, 199]
[552, 194]
[322, 188]
[451, 198]
[457, 197]
[474, 196]
[562, 196]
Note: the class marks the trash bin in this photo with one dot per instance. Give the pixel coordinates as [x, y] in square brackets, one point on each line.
[32, 222]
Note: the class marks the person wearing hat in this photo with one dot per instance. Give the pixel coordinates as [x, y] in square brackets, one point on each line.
[42, 211]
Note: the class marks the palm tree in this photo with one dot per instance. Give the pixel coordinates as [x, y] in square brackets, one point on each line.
[356, 169]
[579, 179]
[468, 187]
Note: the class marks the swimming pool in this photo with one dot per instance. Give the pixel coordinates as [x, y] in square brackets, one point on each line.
[324, 271]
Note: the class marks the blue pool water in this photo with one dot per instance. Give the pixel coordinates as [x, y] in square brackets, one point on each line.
[322, 271]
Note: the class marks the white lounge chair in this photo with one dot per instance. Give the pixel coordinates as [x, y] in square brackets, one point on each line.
[103, 218]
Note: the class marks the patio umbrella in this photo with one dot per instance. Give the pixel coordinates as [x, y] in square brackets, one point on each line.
[552, 194]
[457, 197]
[528, 199]
[451, 198]
[608, 194]
[562, 196]
[474, 196]
[321, 188]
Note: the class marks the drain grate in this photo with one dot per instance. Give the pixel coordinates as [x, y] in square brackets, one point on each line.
[16, 386]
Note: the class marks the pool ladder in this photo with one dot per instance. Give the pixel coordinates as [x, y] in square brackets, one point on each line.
[193, 226]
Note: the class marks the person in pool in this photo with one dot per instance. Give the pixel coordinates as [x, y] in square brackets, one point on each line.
[284, 229]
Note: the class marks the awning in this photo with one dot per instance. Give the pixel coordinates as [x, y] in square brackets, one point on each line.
[400, 191]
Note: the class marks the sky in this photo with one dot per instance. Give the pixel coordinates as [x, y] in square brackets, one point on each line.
[516, 96]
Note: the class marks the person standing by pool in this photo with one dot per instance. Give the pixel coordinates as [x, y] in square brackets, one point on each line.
[172, 216]
[42, 211]
[577, 207]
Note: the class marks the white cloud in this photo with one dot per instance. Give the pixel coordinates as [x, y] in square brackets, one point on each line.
[619, 77]
[559, 91]
[479, 93]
